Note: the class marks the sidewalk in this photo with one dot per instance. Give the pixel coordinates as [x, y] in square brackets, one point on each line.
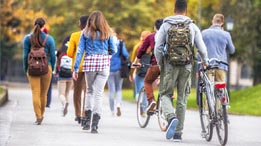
[17, 127]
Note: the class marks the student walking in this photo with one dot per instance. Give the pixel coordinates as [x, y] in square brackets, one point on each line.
[79, 85]
[173, 50]
[115, 81]
[134, 77]
[39, 84]
[153, 71]
[219, 44]
[64, 65]
[96, 41]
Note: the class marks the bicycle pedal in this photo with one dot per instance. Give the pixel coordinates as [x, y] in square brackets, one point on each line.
[150, 113]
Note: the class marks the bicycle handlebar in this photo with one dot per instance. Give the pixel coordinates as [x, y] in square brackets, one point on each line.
[139, 65]
[218, 61]
[214, 66]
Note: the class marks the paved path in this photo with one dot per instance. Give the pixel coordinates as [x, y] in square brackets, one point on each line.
[17, 127]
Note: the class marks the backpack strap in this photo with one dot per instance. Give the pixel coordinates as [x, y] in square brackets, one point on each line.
[45, 39]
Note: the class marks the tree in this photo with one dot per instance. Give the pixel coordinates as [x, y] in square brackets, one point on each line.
[16, 20]
[246, 34]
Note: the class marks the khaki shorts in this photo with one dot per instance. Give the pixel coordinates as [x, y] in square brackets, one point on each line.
[220, 75]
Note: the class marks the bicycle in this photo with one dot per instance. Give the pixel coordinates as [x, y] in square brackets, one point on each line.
[213, 101]
[143, 116]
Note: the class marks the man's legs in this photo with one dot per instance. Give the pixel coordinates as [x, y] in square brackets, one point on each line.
[49, 94]
[151, 76]
[220, 75]
[77, 94]
[183, 90]
[166, 92]
[139, 83]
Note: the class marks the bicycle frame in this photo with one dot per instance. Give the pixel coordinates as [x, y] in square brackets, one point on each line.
[209, 91]
[215, 93]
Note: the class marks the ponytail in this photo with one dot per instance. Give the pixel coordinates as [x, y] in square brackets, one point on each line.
[36, 36]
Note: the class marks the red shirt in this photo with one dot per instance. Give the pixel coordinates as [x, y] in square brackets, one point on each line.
[148, 42]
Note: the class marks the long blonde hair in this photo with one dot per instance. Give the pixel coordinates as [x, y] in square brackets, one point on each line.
[97, 22]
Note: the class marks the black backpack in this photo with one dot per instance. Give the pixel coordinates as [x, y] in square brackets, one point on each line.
[37, 60]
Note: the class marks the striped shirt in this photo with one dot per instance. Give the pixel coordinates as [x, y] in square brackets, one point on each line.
[96, 62]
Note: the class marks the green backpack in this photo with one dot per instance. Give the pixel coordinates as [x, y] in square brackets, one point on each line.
[179, 47]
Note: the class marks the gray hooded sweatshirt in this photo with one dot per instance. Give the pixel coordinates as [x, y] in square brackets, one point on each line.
[161, 37]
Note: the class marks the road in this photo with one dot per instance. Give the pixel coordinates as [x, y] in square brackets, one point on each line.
[17, 127]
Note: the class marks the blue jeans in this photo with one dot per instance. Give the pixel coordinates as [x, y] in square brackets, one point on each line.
[139, 83]
[49, 94]
[115, 88]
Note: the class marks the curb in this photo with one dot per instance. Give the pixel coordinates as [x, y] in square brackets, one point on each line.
[4, 95]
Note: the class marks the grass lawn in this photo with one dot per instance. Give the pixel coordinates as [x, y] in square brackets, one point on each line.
[243, 102]
[246, 101]
[1, 90]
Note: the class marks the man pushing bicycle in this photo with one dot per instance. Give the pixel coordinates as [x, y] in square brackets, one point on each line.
[174, 53]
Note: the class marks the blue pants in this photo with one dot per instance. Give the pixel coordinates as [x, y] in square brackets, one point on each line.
[139, 83]
[49, 94]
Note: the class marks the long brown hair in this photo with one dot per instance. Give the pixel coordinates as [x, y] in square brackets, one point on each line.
[36, 37]
[97, 22]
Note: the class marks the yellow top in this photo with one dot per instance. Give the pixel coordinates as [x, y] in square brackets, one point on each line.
[135, 50]
[73, 46]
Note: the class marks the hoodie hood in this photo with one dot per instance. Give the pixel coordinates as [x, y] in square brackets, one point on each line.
[176, 19]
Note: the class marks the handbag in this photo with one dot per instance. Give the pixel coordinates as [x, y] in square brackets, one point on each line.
[125, 63]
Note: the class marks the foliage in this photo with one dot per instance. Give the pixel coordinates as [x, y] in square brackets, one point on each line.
[129, 18]
[247, 32]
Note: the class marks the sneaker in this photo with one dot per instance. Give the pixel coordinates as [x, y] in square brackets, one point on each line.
[171, 128]
[177, 137]
[151, 107]
[118, 111]
[65, 110]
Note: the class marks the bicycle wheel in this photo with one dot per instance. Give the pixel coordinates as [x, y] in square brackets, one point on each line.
[163, 123]
[222, 123]
[205, 117]
[142, 104]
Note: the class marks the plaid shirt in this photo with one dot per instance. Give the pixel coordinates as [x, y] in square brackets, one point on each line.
[96, 63]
